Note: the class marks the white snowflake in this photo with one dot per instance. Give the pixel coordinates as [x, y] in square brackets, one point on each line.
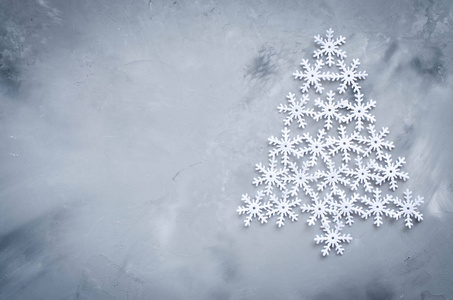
[348, 76]
[408, 208]
[254, 208]
[296, 110]
[359, 111]
[283, 207]
[332, 177]
[319, 209]
[391, 171]
[329, 110]
[285, 146]
[345, 144]
[333, 238]
[375, 142]
[377, 207]
[300, 178]
[270, 176]
[329, 47]
[316, 147]
[363, 174]
[311, 76]
[347, 207]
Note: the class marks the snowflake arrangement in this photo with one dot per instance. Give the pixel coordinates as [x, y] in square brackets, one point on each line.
[342, 172]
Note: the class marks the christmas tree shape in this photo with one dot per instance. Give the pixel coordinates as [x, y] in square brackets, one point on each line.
[342, 172]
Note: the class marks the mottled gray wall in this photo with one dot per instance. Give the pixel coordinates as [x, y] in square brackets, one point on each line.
[129, 130]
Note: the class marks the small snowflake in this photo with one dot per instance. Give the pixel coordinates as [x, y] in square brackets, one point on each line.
[347, 207]
[300, 178]
[333, 238]
[363, 174]
[311, 76]
[316, 147]
[408, 208]
[254, 208]
[348, 76]
[377, 207]
[332, 177]
[283, 207]
[344, 143]
[285, 146]
[329, 110]
[375, 142]
[359, 111]
[329, 47]
[391, 171]
[319, 209]
[296, 110]
[270, 176]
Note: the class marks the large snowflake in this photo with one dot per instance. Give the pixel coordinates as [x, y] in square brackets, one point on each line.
[329, 47]
[329, 110]
[348, 76]
[312, 76]
[336, 175]
[296, 110]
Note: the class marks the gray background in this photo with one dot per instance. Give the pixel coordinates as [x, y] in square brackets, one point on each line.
[129, 130]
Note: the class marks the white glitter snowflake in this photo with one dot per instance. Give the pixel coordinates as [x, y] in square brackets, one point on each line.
[348, 76]
[391, 171]
[346, 208]
[345, 144]
[329, 47]
[329, 110]
[359, 111]
[316, 147]
[332, 177]
[283, 207]
[296, 110]
[408, 208]
[363, 174]
[285, 146]
[333, 238]
[312, 76]
[320, 209]
[254, 208]
[377, 207]
[270, 176]
[375, 142]
[300, 178]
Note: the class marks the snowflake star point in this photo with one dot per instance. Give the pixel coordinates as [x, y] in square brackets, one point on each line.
[254, 208]
[270, 176]
[408, 208]
[285, 146]
[312, 76]
[329, 110]
[377, 207]
[348, 76]
[283, 207]
[296, 110]
[391, 171]
[333, 238]
[359, 111]
[329, 47]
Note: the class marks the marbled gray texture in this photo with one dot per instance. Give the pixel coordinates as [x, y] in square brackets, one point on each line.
[129, 130]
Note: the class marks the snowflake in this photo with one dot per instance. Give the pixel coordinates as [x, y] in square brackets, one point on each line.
[408, 208]
[344, 143]
[348, 76]
[254, 208]
[332, 177]
[283, 208]
[333, 238]
[316, 147]
[329, 110]
[377, 207]
[319, 209]
[300, 178]
[376, 142]
[359, 111]
[311, 76]
[329, 47]
[363, 174]
[270, 176]
[391, 171]
[285, 146]
[346, 207]
[296, 110]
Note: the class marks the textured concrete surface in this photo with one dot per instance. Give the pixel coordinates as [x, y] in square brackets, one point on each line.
[129, 130]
